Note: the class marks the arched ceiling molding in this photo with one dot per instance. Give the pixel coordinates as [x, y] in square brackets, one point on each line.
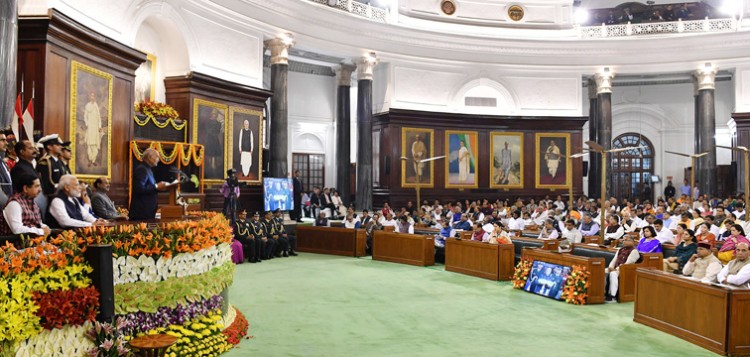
[508, 98]
[325, 28]
[308, 143]
[632, 117]
[140, 11]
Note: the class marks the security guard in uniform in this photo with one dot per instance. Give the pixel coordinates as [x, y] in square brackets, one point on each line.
[242, 233]
[50, 166]
[66, 157]
[281, 231]
[259, 232]
[282, 244]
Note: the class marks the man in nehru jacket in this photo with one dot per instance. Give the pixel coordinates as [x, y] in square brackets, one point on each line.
[737, 272]
[703, 265]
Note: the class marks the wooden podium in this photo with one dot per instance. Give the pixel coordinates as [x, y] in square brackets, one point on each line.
[173, 209]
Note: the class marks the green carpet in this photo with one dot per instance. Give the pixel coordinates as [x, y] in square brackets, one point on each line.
[321, 305]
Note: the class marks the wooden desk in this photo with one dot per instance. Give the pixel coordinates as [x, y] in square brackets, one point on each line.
[484, 260]
[328, 240]
[696, 312]
[547, 244]
[627, 274]
[403, 248]
[594, 265]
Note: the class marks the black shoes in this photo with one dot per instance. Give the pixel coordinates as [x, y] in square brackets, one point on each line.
[293, 253]
[285, 255]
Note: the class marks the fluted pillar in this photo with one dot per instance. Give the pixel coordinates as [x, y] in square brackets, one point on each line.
[706, 128]
[365, 67]
[594, 160]
[279, 144]
[604, 114]
[343, 130]
[8, 55]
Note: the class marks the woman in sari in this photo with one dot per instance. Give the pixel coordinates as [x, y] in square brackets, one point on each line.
[649, 243]
[683, 252]
[704, 234]
[736, 236]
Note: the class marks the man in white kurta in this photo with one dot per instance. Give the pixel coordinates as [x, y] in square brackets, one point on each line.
[737, 272]
[93, 119]
[464, 161]
[246, 148]
[552, 157]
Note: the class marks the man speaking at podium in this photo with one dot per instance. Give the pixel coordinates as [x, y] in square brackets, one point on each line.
[145, 188]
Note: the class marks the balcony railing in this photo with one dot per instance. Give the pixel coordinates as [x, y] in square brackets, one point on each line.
[359, 9]
[652, 28]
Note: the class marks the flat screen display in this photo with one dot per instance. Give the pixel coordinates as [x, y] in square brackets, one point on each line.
[278, 193]
[547, 279]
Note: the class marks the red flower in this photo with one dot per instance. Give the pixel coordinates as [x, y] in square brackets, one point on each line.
[67, 307]
[237, 329]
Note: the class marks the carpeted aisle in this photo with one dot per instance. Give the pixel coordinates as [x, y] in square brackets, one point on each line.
[320, 305]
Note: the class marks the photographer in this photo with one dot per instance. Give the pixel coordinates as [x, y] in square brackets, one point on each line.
[231, 191]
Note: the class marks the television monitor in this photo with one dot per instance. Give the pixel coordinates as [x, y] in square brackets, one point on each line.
[547, 279]
[278, 193]
[655, 179]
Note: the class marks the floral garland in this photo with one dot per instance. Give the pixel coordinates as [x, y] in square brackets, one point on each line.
[150, 296]
[66, 341]
[238, 329]
[128, 269]
[108, 340]
[140, 322]
[522, 273]
[152, 110]
[198, 337]
[577, 286]
[37, 257]
[183, 151]
[67, 307]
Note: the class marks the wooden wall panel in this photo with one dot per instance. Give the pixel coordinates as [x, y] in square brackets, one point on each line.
[392, 122]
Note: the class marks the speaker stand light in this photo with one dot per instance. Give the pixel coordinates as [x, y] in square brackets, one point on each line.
[418, 184]
[692, 171]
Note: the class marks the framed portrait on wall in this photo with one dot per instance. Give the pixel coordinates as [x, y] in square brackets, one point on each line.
[507, 160]
[245, 147]
[551, 160]
[90, 121]
[145, 80]
[417, 144]
[461, 167]
[209, 128]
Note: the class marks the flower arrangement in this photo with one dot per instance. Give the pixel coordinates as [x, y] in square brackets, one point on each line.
[18, 319]
[67, 307]
[150, 296]
[198, 337]
[238, 329]
[156, 109]
[66, 341]
[522, 273]
[576, 287]
[108, 340]
[139, 322]
[128, 269]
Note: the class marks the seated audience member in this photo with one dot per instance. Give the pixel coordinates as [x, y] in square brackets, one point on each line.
[588, 226]
[463, 223]
[479, 234]
[548, 230]
[21, 214]
[404, 226]
[266, 243]
[498, 235]
[280, 229]
[350, 222]
[682, 253]
[704, 234]
[627, 254]
[516, 223]
[388, 221]
[614, 231]
[445, 232]
[711, 221]
[371, 226]
[243, 244]
[278, 237]
[365, 218]
[102, 205]
[663, 234]
[66, 211]
[322, 220]
[527, 221]
[703, 265]
[628, 224]
[737, 236]
[726, 230]
[737, 272]
[739, 212]
[571, 233]
[649, 243]
[679, 229]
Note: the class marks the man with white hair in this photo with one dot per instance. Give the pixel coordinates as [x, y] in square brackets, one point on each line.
[66, 211]
[143, 200]
[737, 272]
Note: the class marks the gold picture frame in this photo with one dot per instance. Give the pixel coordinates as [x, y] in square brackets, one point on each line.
[201, 121]
[453, 149]
[91, 159]
[504, 174]
[237, 116]
[408, 140]
[545, 155]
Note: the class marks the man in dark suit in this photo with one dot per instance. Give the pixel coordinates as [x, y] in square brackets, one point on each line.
[315, 201]
[145, 188]
[101, 204]
[297, 212]
[50, 166]
[25, 151]
[5, 182]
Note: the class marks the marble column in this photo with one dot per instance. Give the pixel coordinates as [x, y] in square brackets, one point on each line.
[343, 130]
[706, 128]
[604, 114]
[8, 56]
[279, 144]
[696, 133]
[594, 174]
[365, 67]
